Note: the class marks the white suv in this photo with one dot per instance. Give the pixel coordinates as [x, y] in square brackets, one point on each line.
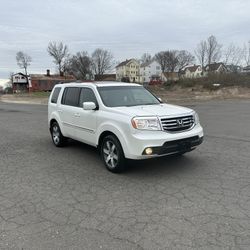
[123, 120]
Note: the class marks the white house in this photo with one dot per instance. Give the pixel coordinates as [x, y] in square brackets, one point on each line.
[20, 82]
[194, 71]
[218, 68]
[19, 78]
[149, 71]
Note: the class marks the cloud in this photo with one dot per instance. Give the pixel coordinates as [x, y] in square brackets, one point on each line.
[128, 28]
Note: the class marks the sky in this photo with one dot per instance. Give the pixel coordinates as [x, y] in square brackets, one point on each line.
[127, 28]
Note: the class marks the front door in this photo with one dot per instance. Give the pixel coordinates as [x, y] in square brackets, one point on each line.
[85, 120]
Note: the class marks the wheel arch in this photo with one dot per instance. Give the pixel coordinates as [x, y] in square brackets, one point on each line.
[103, 135]
[117, 134]
[51, 122]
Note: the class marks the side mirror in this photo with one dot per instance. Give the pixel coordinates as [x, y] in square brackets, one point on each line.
[89, 106]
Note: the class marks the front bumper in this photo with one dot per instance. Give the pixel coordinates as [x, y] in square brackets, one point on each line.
[162, 143]
[177, 146]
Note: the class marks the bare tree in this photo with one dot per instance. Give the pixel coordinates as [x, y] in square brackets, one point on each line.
[246, 53]
[102, 61]
[213, 50]
[80, 65]
[161, 58]
[233, 55]
[23, 60]
[60, 53]
[172, 60]
[184, 58]
[146, 58]
[201, 52]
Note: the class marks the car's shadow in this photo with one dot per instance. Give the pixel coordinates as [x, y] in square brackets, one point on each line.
[162, 165]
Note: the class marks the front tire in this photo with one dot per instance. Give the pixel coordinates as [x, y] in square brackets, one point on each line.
[112, 154]
[57, 137]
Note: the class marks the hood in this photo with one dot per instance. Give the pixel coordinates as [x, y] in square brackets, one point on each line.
[153, 110]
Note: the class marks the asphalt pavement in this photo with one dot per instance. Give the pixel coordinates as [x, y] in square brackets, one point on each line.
[64, 198]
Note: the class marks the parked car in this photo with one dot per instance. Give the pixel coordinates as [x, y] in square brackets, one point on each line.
[123, 120]
[155, 82]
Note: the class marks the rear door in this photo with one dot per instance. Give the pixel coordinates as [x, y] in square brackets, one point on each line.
[85, 120]
[69, 110]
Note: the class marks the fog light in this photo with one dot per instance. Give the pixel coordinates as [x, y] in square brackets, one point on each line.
[148, 151]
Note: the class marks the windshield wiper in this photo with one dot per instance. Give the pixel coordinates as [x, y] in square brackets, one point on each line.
[150, 103]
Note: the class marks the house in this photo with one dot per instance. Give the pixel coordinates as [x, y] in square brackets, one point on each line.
[218, 68]
[38, 82]
[234, 68]
[129, 70]
[20, 82]
[170, 76]
[46, 82]
[105, 77]
[194, 71]
[149, 71]
[246, 69]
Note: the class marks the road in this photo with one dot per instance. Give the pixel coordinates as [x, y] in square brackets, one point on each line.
[64, 198]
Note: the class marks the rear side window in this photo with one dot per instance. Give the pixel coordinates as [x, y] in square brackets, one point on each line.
[87, 95]
[71, 96]
[55, 95]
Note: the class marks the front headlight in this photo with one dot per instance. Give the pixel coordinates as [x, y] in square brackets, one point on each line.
[196, 118]
[146, 123]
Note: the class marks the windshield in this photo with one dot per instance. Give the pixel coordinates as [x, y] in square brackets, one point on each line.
[117, 96]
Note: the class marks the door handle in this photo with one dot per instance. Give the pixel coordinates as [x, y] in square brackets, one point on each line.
[59, 111]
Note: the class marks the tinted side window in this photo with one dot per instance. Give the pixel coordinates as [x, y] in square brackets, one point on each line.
[87, 95]
[71, 96]
[55, 95]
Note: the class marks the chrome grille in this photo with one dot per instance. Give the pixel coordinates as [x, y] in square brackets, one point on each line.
[176, 124]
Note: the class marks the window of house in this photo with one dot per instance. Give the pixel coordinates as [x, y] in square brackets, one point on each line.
[55, 95]
[71, 96]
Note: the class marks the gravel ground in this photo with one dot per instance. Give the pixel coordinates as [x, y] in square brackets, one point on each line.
[53, 198]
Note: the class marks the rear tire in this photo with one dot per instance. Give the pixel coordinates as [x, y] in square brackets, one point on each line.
[57, 137]
[112, 154]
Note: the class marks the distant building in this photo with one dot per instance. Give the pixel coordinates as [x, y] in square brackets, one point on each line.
[129, 70]
[20, 83]
[218, 68]
[194, 71]
[234, 68]
[105, 77]
[170, 76]
[38, 82]
[246, 69]
[46, 82]
[149, 71]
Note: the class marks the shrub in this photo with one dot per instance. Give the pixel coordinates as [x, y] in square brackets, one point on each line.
[224, 80]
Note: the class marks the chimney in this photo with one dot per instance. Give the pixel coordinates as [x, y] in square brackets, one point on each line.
[48, 72]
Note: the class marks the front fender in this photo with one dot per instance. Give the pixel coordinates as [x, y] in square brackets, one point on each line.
[117, 131]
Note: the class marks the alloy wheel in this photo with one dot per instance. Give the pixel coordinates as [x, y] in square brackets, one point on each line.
[56, 134]
[110, 154]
